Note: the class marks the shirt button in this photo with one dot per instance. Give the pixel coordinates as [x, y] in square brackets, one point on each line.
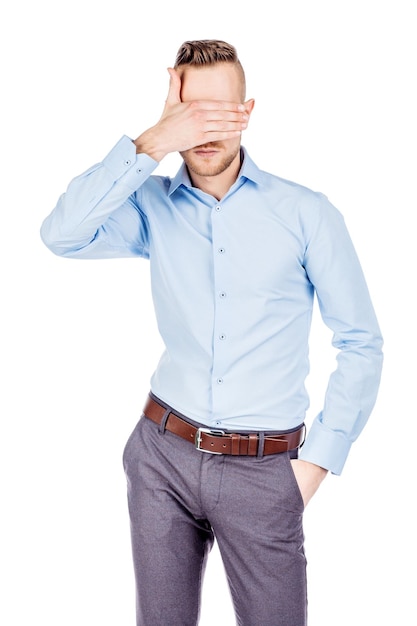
[138, 171]
[218, 208]
[222, 336]
[218, 423]
[222, 294]
[222, 250]
[219, 381]
[127, 162]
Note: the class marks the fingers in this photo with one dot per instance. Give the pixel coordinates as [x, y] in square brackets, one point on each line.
[215, 121]
[212, 115]
[219, 116]
[184, 125]
[222, 125]
[217, 105]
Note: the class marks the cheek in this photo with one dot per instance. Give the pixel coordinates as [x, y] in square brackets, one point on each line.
[233, 145]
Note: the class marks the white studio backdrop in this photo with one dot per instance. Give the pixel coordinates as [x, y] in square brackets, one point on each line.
[334, 84]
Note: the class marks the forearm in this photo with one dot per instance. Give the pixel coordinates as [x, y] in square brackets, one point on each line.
[346, 308]
[349, 401]
[94, 196]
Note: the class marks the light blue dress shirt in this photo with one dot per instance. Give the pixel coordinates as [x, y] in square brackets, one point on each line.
[233, 284]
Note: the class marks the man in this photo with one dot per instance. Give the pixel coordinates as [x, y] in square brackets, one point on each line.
[236, 257]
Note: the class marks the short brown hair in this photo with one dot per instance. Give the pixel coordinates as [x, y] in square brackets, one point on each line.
[209, 52]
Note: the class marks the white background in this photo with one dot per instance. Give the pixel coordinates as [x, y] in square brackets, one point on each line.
[334, 84]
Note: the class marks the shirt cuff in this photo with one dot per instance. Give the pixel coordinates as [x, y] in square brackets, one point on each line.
[325, 447]
[123, 163]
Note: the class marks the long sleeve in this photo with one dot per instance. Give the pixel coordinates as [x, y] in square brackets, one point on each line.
[345, 305]
[97, 217]
[233, 284]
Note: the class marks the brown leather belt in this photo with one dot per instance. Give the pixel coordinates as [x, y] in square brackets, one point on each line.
[220, 442]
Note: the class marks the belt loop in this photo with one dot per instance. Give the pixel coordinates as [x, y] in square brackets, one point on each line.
[261, 445]
[164, 420]
[253, 444]
[235, 444]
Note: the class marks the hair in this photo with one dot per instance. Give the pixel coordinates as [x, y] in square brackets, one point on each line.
[207, 52]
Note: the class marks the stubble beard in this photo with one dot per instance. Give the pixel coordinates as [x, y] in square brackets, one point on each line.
[201, 168]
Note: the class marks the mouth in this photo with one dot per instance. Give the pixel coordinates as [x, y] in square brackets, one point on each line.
[207, 149]
[205, 152]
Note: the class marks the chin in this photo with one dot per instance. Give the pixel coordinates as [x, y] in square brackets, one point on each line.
[211, 167]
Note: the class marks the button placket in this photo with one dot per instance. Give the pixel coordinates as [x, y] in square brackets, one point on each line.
[219, 243]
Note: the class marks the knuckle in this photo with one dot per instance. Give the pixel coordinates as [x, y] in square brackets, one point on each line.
[194, 105]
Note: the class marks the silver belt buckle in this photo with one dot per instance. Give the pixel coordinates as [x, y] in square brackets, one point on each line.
[209, 431]
[300, 445]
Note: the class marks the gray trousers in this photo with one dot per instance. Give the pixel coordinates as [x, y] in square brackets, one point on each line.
[181, 499]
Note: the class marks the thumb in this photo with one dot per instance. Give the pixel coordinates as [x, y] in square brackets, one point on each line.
[174, 87]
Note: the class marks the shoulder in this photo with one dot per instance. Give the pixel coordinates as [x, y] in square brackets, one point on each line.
[288, 192]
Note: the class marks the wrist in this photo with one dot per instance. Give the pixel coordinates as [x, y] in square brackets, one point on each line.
[147, 143]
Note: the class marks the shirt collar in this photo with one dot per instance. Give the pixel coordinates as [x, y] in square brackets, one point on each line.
[249, 170]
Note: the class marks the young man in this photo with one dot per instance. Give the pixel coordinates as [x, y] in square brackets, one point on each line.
[236, 256]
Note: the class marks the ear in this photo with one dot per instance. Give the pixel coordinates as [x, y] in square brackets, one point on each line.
[249, 104]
